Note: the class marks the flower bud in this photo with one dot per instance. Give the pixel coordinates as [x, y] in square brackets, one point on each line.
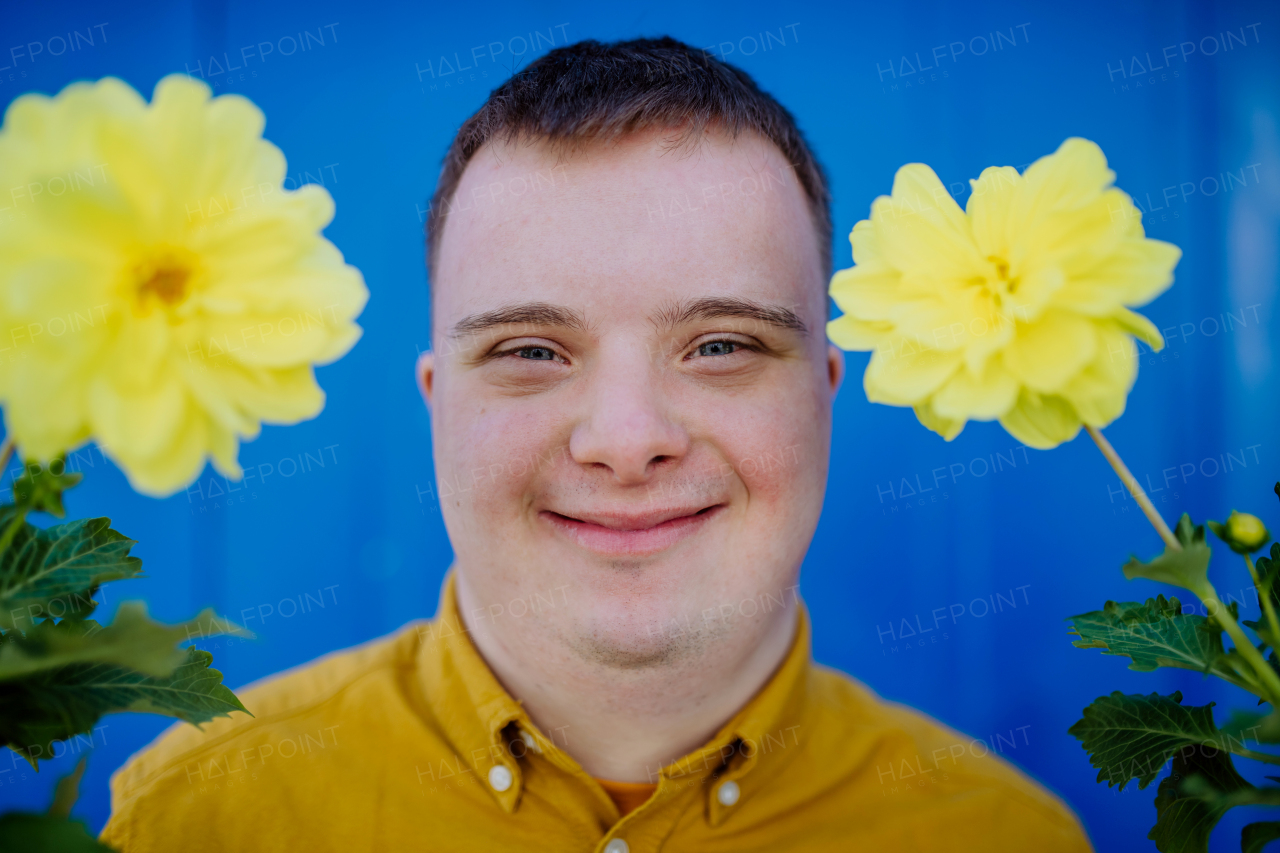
[1242, 532]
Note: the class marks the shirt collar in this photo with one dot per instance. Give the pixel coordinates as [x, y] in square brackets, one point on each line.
[465, 696]
[476, 712]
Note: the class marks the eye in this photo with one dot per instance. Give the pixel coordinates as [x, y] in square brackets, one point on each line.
[535, 353]
[718, 348]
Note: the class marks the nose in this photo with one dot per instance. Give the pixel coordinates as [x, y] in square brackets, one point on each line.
[627, 426]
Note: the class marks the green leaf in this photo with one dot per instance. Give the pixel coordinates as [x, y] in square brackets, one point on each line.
[1256, 835]
[56, 704]
[1131, 736]
[67, 790]
[39, 833]
[1155, 633]
[132, 640]
[40, 489]
[55, 571]
[1248, 725]
[1267, 568]
[1250, 796]
[1184, 817]
[1187, 568]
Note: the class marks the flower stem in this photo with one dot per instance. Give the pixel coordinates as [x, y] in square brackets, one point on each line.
[1134, 489]
[1265, 596]
[6, 539]
[1246, 649]
[1243, 752]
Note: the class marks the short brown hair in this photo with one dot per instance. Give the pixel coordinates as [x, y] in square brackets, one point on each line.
[589, 90]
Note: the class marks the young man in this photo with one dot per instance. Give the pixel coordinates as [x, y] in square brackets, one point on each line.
[631, 412]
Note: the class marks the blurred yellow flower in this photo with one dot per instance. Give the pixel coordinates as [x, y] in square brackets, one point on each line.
[1014, 308]
[160, 291]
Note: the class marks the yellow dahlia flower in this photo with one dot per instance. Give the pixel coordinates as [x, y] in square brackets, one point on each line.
[160, 291]
[1012, 309]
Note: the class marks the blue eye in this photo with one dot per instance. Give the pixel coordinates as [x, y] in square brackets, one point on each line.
[536, 353]
[717, 348]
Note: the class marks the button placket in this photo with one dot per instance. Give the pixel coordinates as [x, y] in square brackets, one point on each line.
[725, 791]
[500, 777]
[504, 776]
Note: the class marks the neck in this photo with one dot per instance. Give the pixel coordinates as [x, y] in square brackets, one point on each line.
[625, 723]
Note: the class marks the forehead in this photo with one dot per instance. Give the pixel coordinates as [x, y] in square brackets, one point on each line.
[631, 221]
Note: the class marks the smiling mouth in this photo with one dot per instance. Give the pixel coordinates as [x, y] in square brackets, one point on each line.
[632, 535]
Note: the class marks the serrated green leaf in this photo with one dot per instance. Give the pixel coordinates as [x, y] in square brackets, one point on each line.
[40, 489]
[133, 640]
[1267, 568]
[1255, 836]
[1184, 818]
[39, 833]
[56, 704]
[55, 571]
[1131, 736]
[1154, 634]
[1187, 567]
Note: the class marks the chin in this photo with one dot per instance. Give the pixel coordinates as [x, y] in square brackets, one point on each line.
[626, 631]
[653, 646]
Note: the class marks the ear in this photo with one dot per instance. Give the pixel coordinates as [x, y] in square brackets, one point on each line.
[835, 367]
[424, 372]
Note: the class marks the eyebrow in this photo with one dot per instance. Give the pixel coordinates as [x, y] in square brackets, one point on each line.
[667, 319]
[717, 307]
[531, 313]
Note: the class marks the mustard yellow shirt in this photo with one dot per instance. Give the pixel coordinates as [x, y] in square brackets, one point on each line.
[410, 743]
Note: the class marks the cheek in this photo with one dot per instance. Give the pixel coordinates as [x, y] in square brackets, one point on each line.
[487, 456]
[779, 452]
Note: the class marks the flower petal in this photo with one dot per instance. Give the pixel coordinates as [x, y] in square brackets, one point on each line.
[922, 229]
[850, 333]
[1073, 176]
[908, 377]
[173, 228]
[1045, 354]
[134, 421]
[1134, 274]
[967, 396]
[866, 245]
[944, 427]
[164, 469]
[1042, 422]
[1140, 327]
[1098, 392]
[867, 292]
[990, 207]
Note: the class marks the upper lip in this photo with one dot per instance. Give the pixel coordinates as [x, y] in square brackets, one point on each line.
[633, 520]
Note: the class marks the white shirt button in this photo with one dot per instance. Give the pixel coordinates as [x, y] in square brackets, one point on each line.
[499, 777]
[617, 845]
[728, 793]
[530, 742]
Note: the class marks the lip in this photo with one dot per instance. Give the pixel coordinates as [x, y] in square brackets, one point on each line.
[632, 534]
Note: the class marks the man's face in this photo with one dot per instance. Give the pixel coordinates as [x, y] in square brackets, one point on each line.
[630, 394]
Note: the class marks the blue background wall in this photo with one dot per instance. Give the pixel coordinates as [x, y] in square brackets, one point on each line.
[370, 113]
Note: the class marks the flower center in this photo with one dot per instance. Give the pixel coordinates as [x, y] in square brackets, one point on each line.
[162, 275]
[1002, 272]
[168, 283]
[1000, 286]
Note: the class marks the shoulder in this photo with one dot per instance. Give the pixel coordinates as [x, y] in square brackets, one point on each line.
[297, 711]
[923, 777]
